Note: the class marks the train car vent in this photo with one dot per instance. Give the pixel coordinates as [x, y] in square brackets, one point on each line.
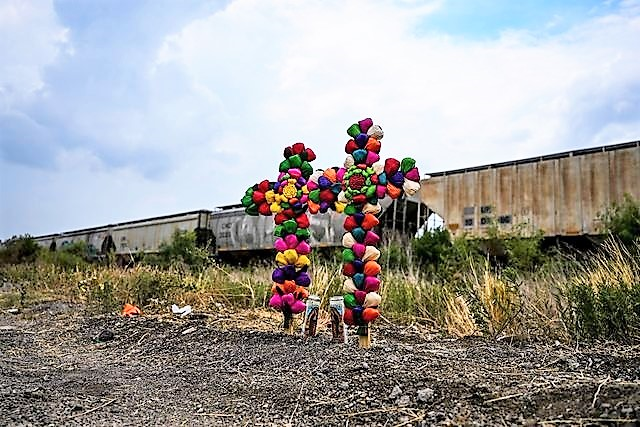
[504, 219]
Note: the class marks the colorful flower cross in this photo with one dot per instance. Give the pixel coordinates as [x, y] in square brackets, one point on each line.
[355, 190]
[289, 198]
[364, 182]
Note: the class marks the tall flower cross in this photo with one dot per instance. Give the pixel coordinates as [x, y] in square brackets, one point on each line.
[365, 181]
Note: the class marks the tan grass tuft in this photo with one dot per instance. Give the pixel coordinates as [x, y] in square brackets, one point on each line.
[458, 318]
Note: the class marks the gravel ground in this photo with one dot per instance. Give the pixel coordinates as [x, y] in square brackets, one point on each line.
[240, 369]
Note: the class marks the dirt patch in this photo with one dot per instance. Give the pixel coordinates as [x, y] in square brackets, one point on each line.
[239, 369]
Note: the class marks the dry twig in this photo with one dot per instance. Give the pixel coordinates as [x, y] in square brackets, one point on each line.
[297, 403]
[595, 395]
[214, 414]
[93, 409]
[576, 421]
[497, 399]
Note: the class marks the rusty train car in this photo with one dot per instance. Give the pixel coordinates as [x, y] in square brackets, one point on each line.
[131, 237]
[561, 194]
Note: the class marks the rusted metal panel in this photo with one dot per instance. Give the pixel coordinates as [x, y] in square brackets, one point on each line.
[486, 191]
[595, 189]
[544, 209]
[434, 193]
[504, 194]
[561, 194]
[453, 204]
[468, 196]
[570, 202]
[626, 165]
[524, 194]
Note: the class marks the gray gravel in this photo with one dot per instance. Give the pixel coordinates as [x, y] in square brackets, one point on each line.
[55, 371]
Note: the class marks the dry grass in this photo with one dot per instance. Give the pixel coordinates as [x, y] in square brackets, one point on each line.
[614, 266]
[476, 300]
[458, 319]
[499, 300]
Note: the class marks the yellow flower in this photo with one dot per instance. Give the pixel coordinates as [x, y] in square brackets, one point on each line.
[275, 207]
[270, 196]
[290, 191]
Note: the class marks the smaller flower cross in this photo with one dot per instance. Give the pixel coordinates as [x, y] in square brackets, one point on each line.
[288, 199]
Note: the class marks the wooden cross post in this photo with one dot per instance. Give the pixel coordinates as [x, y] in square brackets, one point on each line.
[289, 198]
[364, 181]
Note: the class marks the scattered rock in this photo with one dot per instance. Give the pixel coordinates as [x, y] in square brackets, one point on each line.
[397, 391]
[403, 400]
[189, 330]
[233, 376]
[424, 395]
[104, 336]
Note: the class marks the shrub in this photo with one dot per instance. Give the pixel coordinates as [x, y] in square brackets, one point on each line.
[19, 249]
[525, 253]
[622, 220]
[183, 250]
[101, 296]
[517, 249]
[433, 248]
[68, 256]
[603, 298]
[440, 256]
[146, 283]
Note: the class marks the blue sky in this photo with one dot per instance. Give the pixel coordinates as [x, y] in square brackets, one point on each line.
[482, 20]
[118, 110]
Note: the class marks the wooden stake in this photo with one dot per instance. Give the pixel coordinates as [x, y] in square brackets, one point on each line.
[289, 326]
[364, 336]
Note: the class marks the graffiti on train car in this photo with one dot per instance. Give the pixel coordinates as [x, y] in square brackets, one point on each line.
[236, 231]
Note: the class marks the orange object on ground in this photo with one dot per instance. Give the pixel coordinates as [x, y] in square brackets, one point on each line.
[131, 310]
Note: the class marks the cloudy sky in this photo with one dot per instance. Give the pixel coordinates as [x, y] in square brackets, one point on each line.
[113, 110]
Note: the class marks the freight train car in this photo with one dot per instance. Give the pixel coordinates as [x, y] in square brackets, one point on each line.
[225, 230]
[561, 194]
[235, 231]
[132, 237]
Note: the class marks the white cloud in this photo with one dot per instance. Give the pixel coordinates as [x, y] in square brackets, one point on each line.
[30, 39]
[216, 102]
[305, 70]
